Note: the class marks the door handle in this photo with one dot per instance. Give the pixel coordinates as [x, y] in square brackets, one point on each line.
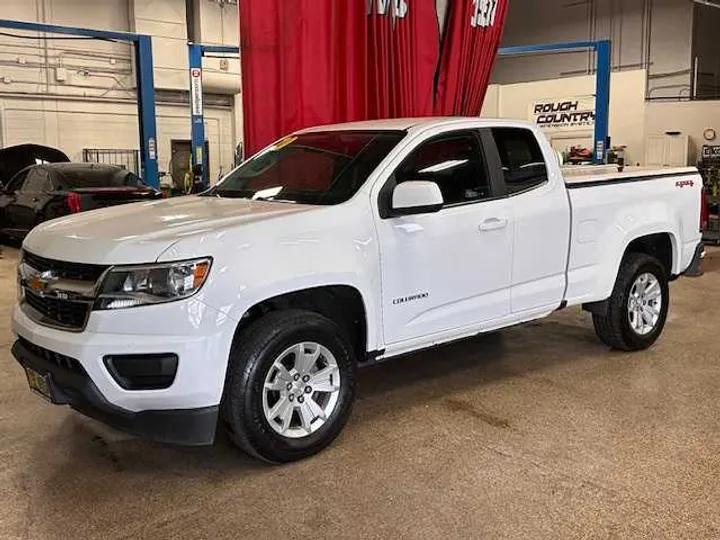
[493, 224]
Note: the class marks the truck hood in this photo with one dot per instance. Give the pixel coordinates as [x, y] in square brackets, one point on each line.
[141, 232]
[15, 158]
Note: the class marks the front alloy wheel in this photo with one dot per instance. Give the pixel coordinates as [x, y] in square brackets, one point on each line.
[290, 385]
[301, 390]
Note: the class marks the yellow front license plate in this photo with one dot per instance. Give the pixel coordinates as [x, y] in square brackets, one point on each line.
[39, 383]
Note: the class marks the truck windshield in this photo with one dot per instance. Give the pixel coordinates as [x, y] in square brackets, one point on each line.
[323, 168]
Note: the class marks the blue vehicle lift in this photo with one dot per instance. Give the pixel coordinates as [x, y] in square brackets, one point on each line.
[145, 85]
[196, 52]
[603, 51]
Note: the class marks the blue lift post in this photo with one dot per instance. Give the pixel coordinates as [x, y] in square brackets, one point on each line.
[603, 51]
[145, 85]
[196, 52]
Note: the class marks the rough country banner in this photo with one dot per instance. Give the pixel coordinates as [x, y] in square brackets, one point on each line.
[567, 114]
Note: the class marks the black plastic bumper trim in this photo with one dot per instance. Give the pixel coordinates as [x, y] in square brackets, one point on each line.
[694, 269]
[189, 427]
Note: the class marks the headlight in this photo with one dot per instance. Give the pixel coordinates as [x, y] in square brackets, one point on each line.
[130, 286]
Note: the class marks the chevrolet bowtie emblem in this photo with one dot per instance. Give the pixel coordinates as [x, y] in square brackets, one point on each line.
[40, 282]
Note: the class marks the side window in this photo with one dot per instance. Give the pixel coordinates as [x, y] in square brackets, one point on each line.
[37, 180]
[16, 182]
[522, 160]
[454, 163]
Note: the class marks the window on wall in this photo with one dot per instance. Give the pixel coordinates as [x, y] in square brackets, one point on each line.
[522, 160]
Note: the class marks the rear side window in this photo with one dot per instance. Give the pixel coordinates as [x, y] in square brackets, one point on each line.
[16, 183]
[522, 160]
[37, 181]
[454, 163]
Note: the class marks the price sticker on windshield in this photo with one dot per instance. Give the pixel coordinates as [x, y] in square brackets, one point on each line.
[282, 143]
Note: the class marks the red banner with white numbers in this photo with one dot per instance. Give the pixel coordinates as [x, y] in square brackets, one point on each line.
[471, 39]
[312, 62]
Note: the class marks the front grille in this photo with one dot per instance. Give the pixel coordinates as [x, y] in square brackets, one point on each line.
[60, 360]
[63, 269]
[64, 313]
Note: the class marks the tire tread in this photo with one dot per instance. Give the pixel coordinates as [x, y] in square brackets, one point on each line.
[246, 346]
[610, 328]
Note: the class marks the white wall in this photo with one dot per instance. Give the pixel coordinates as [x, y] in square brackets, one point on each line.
[164, 20]
[655, 35]
[95, 106]
[218, 25]
[627, 106]
[91, 67]
[67, 124]
[690, 118]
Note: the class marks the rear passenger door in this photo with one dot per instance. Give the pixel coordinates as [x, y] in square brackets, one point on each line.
[542, 220]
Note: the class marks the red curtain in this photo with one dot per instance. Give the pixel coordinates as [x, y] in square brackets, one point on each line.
[312, 62]
[470, 42]
[403, 50]
[299, 66]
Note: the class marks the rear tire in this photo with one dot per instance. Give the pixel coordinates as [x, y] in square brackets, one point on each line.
[638, 308]
[290, 386]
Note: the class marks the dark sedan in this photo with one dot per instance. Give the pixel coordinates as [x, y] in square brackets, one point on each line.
[42, 192]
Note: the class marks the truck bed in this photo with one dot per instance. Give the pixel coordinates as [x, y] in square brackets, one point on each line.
[609, 209]
[584, 176]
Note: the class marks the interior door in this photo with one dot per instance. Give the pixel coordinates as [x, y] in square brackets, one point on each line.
[451, 269]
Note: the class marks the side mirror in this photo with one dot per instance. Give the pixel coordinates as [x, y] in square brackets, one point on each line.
[416, 197]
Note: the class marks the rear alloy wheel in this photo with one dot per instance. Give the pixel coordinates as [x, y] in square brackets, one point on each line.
[637, 310]
[645, 304]
[290, 385]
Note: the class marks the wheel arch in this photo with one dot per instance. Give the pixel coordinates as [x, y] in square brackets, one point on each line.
[661, 245]
[342, 303]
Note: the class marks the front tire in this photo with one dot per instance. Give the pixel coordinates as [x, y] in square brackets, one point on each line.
[638, 308]
[290, 386]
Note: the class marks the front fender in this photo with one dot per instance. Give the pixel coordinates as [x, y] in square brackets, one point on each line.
[258, 262]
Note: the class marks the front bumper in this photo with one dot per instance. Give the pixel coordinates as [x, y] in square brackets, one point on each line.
[184, 413]
[75, 388]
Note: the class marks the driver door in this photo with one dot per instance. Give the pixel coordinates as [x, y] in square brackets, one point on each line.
[447, 271]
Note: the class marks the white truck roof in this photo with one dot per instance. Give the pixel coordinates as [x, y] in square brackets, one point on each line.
[422, 123]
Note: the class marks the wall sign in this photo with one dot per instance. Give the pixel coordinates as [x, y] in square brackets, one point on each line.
[563, 114]
[711, 151]
[196, 97]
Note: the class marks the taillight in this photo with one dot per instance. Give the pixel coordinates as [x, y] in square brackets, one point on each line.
[73, 202]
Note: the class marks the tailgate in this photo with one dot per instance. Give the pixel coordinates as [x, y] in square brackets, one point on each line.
[92, 198]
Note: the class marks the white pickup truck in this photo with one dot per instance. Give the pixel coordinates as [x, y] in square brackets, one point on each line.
[255, 302]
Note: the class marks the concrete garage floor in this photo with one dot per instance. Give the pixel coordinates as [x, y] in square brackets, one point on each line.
[536, 432]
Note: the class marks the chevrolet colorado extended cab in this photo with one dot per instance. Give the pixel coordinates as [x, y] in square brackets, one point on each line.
[253, 304]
